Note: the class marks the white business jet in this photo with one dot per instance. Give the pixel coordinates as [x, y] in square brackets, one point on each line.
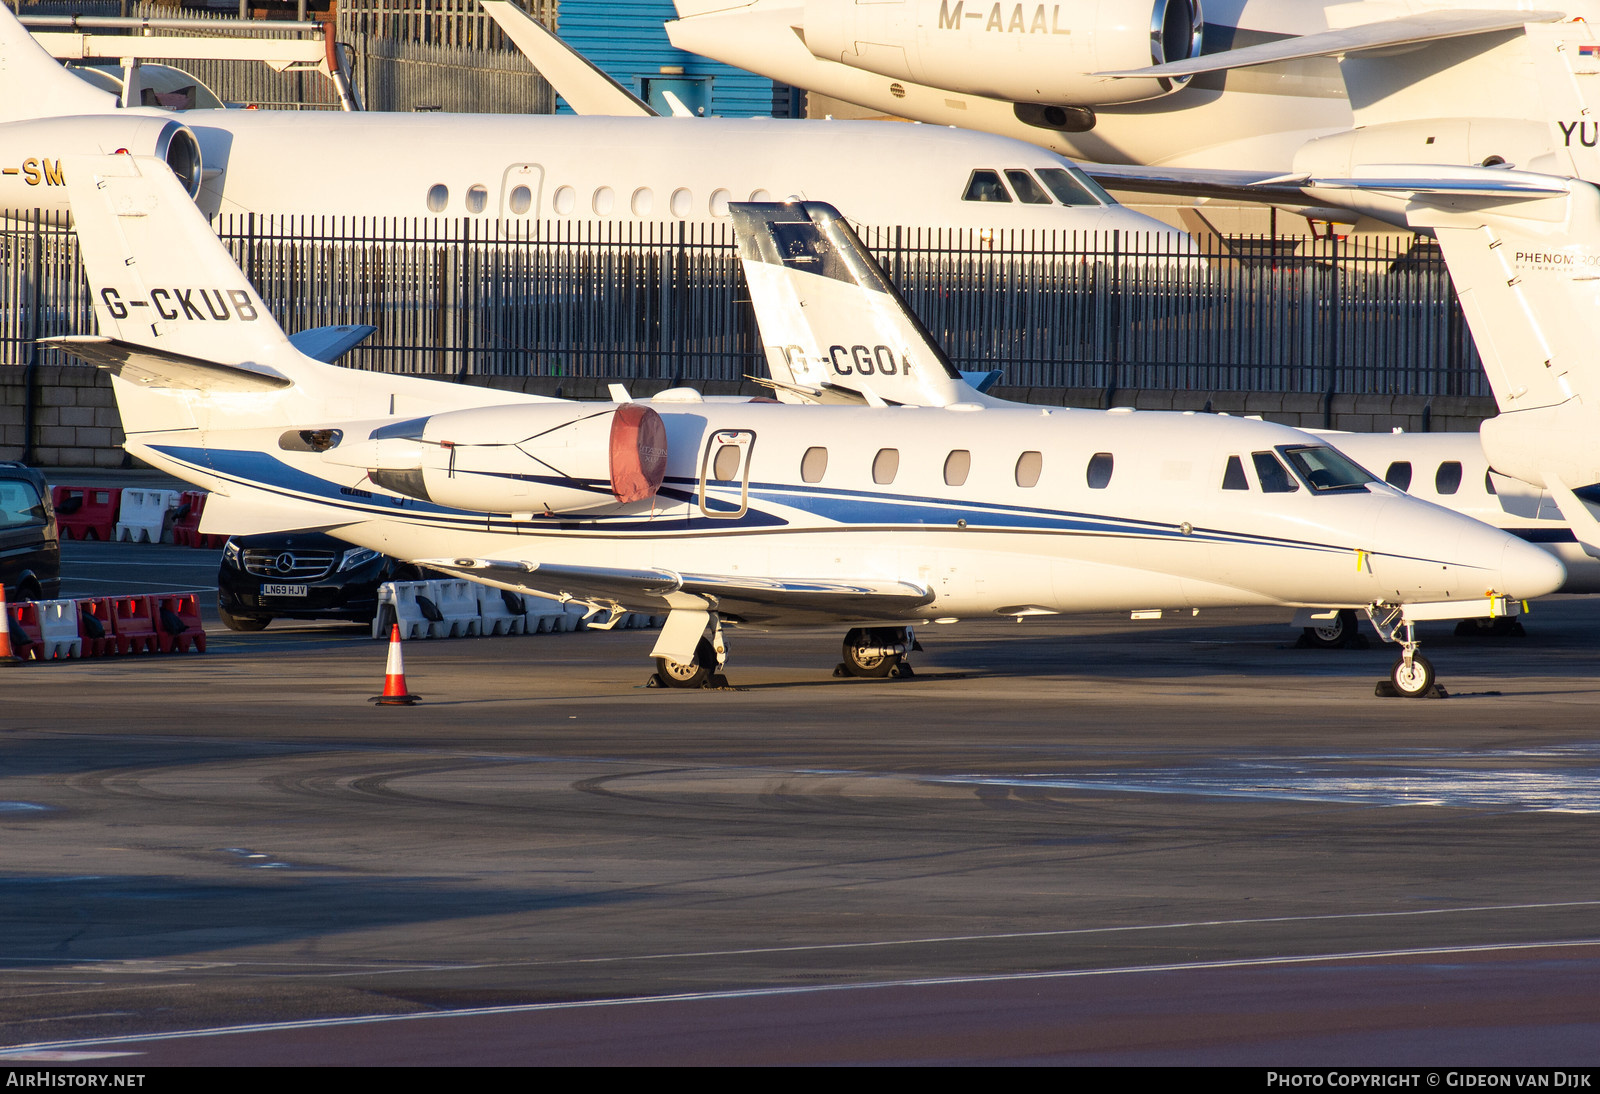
[745, 513]
[1245, 99]
[526, 167]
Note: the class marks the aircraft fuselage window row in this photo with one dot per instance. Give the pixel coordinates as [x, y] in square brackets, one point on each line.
[603, 201]
[1446, 480]
[957, 466]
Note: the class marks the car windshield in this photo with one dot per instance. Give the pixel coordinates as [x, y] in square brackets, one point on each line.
[1326, 470]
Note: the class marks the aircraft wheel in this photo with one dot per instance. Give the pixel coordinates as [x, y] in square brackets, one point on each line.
[242, 622]
[1414, 680]
[694, 674]
[862, 651]
[1334, 633]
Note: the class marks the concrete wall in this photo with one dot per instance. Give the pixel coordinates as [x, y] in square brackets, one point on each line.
[76, 423]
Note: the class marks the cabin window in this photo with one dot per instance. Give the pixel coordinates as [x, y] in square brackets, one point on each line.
[477, 198]
[644, 201]
[957, 466]
[1233, 475]
[760, 195]
[1029, 464]
[521, 200]
[564, 200]
[1488, 484]
[725, 468]
[985, 185]
[1448, 478]
[718, 205]
[1073, 188]
[885, 465]
[1027, 187]
[682, 203]
[438, 197]
[1399, 475]
[605, 199]
[1100, 468]
[1275, 478]
[813, 465]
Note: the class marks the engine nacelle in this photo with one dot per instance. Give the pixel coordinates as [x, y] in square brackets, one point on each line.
[1032, 52]
[31, 151]
[543, 458]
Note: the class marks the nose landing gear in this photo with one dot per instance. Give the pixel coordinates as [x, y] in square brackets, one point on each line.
[1412, 676]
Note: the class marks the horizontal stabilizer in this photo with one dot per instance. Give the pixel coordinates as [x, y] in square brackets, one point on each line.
[328, 344]
[1410, 30]
[733, 597]
[156, 368]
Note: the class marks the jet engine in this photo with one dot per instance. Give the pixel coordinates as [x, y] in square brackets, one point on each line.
[1031, 52]
[540, 458]
[31, 151]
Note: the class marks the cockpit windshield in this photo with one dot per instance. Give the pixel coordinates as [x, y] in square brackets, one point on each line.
[1074, 187]
[1326, 470]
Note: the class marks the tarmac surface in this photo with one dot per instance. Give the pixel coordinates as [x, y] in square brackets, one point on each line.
[1084, 840]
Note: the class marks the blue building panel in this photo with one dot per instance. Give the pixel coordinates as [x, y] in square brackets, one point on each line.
[628, 40]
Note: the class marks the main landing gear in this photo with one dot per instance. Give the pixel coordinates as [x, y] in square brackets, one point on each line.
[872, 652]
[1412, 676]
[877, 652]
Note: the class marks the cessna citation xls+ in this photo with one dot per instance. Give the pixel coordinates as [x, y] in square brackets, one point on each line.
[741, 512]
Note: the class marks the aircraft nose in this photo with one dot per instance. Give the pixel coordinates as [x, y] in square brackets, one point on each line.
[1528, 571]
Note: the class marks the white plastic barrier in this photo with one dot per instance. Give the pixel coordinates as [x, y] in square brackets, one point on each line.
[143, 514]
[453, 609]
[497, 611]
[58, 629]
[458, 606]
[397, 603]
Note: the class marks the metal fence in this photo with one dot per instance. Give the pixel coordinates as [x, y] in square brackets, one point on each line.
[629, 299]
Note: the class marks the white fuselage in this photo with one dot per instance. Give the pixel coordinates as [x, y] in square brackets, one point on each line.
[406, 169]
[1161, 533]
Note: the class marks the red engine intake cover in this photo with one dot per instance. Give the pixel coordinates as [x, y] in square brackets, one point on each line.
[638, 453]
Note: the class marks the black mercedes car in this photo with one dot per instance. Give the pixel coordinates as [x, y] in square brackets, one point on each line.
[30, 550]
[301, 575]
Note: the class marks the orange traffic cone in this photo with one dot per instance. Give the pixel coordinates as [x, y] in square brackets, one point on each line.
[394, 677]
[7, 657]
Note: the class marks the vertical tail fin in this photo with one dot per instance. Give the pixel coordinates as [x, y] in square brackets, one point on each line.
[161, 280]
[834, 327]
[34, 85]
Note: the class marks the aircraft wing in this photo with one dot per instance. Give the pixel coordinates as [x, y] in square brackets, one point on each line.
[154, 368]
[1204, 182]
[734, 596]
[574, 77]
[1409, 30]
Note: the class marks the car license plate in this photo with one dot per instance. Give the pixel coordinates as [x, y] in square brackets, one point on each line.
[283, 590]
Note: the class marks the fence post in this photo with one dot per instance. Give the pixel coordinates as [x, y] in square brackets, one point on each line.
[30, 374]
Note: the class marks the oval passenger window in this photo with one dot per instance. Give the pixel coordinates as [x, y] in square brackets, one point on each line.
[1029, 465]
[438, 197]
[813, 465]
[885, 466]
[1100, 467]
